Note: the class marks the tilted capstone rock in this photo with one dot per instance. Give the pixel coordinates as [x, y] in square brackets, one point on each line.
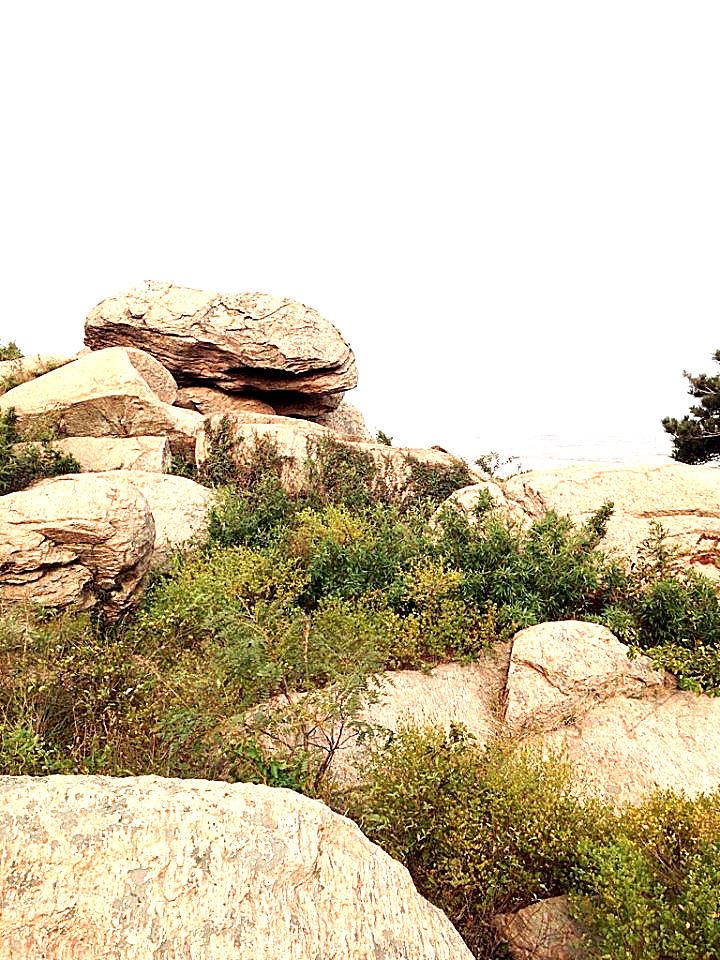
[144, 867]
[82, 539]
[277, 347]
[107, 393]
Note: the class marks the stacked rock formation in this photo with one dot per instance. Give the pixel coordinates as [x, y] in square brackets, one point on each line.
[248, 344]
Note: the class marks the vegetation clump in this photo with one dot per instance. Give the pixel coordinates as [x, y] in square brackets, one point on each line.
[23, 461]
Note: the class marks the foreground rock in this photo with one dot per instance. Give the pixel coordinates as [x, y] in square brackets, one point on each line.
[83, 539]
[110, 393]
[244, 342]
[145, 867]
[684, 499]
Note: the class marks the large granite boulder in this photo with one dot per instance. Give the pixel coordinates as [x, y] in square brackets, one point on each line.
[82, 539]
[558, 670]
[144, 867]
[281, 349]
[180, 508]
[347, 419]
[118, 392]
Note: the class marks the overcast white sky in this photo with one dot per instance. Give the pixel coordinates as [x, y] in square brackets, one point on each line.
[511, 209]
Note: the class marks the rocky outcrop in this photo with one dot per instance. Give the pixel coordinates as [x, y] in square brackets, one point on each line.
[97, 454]
[108, 393]
[569, 689]
[81, 539]
[559, 670]
[296, 441]
[281, 349]
[140, 867]
[684, 499]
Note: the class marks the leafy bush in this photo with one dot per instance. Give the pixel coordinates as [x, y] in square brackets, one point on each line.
[10, 351]
[23, 462]
[482, 831]
[652, 892]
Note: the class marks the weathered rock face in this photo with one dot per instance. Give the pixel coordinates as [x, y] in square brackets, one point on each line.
[97, 454]
[108, 393]
[180, 508]
[684, 499]
[559, 670]
[145, 867]
[82, 539]
[237, 341]
[347, 419]
[543, 931]
[624, 748]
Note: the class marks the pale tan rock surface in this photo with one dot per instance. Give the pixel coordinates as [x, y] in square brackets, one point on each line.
[209, 401]
[106, 393]
[347, 419]
[81, 539]
[623, 749]
[296, 441]
[97, 454]
[559, 670]
[467, 498]
[144, 868]
[234, 341]
[542, 931]
[180, 508]
[684, 499]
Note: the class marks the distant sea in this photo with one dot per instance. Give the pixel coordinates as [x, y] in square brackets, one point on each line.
[549, 450]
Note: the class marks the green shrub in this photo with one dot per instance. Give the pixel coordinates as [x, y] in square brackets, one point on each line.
[23, 462]
[482, 831]
[10, 351]
[653, 891]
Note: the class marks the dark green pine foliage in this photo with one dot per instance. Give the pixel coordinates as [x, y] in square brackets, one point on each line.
[696, 438]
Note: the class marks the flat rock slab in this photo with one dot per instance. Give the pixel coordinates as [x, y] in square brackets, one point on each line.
[83, 539]
[97, 454]
[542, 931]
[144, 867]
[559, 670]
[234, 341]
